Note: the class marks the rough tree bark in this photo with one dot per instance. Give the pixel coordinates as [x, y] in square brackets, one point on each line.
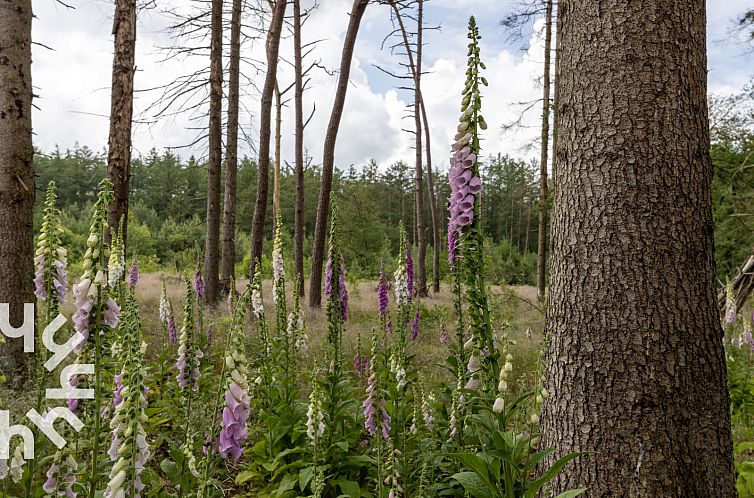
[542, 229]
[298, 104]
[328, 156]
[265, 117]
[16, 178]
[636, 363]
[228, 261]
[214, 163]
[121, 112]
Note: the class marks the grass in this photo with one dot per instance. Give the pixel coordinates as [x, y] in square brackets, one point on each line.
[513, 308]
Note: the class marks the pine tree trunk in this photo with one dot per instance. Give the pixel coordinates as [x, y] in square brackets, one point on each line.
[228, 262]
[636, 365]
[298, 235]
[542, 232]
[276, 175]
[328, 156]
[555, 100]
[121, 113]
[16, 179]
[433, 208]
[214, 163]
[265, 118]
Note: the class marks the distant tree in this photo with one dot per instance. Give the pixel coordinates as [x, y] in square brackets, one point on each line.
[214, 165]
[636, 362]
[16, 178]
[121, 112]
[265, 118]
[328, 156]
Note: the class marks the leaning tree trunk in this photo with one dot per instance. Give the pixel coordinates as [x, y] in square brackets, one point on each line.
[636, 364]
[214, 163]
[16, 179]
[298, 236]
[328, 156]
[228, 261]
[265, 118]
[542, 228]
[121, 112]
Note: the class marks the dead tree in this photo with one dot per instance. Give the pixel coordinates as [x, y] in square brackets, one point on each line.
[121, 112]
[328, 156]
[742, 284]
[228, 261]
[542, 229]
[265, 117]
[214, 166]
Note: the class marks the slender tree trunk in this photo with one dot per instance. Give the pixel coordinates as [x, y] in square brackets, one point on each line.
[328, 156]
[121, 112]
[433, 208]
[430, 179]
[636, 364]
[265, 117]
[298, 235]
[555, 95]
[214, 163]
[542, 232]
[528, 227]
[415, 68]
[276, 174]
[16, 179]
[228, 263]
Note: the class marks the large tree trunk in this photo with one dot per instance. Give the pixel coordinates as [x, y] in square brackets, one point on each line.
[636, 364]
[121, 112]
[214, 163]
[542, 232]
[228, 262]
[328, 156]
[298, 235]
[16, 179]
[265, 118]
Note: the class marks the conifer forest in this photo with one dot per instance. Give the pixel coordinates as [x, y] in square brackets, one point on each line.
[376, 248]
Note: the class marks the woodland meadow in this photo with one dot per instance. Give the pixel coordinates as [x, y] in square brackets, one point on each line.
[569, 318]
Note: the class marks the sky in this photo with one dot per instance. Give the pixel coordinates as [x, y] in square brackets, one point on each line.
[72, 79]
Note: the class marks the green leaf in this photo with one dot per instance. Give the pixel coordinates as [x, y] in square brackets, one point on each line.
[572, 493]
[349, 488]
[474, 485]
[305, 477]
[549, 474]
[169, 468]
[474, 463]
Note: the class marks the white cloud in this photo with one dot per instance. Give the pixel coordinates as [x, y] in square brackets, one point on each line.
[74, 80]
